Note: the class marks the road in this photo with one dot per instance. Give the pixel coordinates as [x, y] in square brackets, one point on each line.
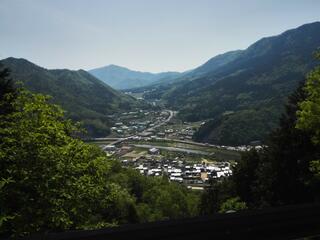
[171, 114]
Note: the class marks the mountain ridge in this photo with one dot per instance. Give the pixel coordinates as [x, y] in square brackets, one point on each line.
[122, 78]
[84, 97]
[243, 97]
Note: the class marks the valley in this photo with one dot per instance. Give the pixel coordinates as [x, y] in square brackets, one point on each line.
[137, 119]
[157, 143]
[195, 122]
[238, 95]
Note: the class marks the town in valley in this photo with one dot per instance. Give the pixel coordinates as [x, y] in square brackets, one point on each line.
[156, 143]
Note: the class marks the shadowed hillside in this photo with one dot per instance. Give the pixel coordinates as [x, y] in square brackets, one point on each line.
[84, 97]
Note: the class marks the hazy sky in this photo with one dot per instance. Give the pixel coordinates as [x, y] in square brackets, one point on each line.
[145, 35]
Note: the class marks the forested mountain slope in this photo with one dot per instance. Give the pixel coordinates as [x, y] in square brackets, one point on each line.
[84, 97]
[244, 97]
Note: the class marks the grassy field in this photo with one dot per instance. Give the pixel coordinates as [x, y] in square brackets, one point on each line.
[217, 153]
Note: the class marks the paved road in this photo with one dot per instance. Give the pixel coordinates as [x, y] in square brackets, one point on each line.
[171, 114]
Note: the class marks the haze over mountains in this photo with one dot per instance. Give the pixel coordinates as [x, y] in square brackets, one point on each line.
[124, 78]
[240, 94]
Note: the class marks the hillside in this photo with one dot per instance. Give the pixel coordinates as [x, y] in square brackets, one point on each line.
[211, 65]
[124, 78]
[84, 97]
[157, 88]
[243, 97]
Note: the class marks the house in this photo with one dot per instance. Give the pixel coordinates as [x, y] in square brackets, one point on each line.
[168, 131]
[145, 134]
[109, 148]
[154, 151]
[124, 127]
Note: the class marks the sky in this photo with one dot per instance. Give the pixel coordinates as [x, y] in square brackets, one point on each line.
[144, 35]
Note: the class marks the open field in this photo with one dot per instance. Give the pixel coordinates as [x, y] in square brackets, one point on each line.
[218, 153]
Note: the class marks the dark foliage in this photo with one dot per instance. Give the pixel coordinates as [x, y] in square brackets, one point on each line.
[280, 173]
[6, 88]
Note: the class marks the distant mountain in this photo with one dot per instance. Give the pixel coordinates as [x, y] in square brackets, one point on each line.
[216, 62]
[244, 95]
[124, 78]
[159, 87]
[84, 97]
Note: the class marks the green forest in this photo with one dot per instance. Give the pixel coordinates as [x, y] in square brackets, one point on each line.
[52, 181]
[240, 95]
[83, 97]
[287, 170]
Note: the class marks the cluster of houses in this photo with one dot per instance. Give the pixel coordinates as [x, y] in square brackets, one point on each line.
[137, 122]
[242, 148]
[179, 171]
[129, 128]
[186, 133]
[182, 134]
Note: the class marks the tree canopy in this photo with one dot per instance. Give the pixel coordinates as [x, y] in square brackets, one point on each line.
[286, 171]
[52, 181]
[309, 112]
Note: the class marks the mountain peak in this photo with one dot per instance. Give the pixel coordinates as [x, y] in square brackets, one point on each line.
[120, 77]
[116, 67]
[18, 60]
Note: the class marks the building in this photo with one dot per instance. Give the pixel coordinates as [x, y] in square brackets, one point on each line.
[109, 148]
[145, 134]
[154, 151]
